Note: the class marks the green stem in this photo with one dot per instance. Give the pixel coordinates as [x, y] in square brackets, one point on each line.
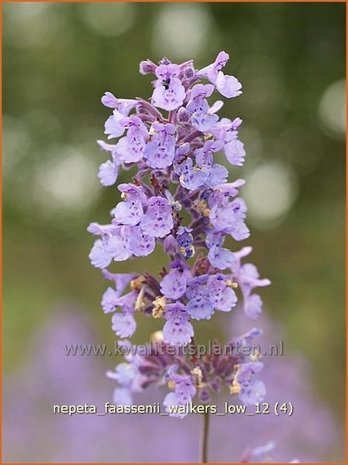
[205, 435]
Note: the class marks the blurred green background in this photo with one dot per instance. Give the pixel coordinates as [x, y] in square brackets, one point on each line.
[60, 58]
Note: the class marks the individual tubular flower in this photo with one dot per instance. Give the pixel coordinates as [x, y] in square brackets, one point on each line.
[184, 391]
[158, 219]
[130, 148]
[177, 329]
[108, 171]
[160, 151]
[198, 107]
[174, 284]
[248, 278]
[169, 92]
[123, 323]
[111, 296]
[227, 132]
[228, 86]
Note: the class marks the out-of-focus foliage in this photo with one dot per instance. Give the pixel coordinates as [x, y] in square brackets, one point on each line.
[59, 59]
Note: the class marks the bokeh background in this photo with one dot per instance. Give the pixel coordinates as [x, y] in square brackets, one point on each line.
[58, 60]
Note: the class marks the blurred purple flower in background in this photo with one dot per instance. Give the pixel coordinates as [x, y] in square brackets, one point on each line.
[51, 377]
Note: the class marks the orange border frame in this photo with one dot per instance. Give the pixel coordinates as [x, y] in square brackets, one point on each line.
[1, 242]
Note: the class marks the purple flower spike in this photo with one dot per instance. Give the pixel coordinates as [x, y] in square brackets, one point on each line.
[179, 200]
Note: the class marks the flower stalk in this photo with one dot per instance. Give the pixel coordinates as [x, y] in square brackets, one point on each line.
[205, 437]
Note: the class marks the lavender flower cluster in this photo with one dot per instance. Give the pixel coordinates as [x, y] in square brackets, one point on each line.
[189, 376]
[181, 200]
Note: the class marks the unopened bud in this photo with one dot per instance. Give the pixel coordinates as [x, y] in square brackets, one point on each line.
[147, 67]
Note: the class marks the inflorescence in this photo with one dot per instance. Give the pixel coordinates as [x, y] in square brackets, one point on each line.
[181, 200]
